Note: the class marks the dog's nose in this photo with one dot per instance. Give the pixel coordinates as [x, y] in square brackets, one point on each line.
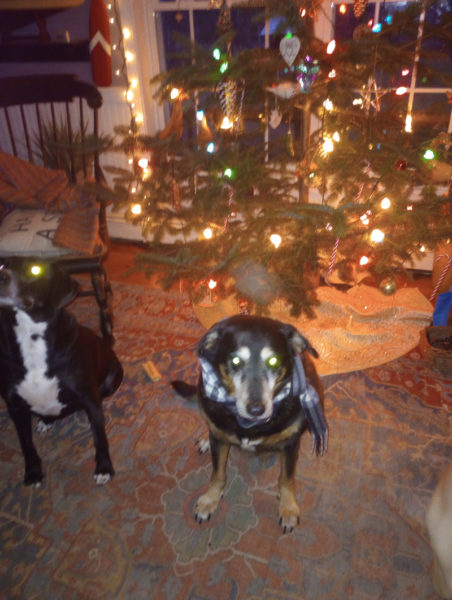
[255, 409]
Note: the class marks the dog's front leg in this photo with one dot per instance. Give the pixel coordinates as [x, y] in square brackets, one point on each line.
[289, 513]
[21, 418]
[104, 468]
[208, 502]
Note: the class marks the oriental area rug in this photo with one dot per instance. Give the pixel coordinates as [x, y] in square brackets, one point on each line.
[362, 534]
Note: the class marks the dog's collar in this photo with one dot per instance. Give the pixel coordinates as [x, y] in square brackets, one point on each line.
[297, 386]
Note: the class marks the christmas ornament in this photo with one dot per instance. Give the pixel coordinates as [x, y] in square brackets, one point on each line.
[359, 6]
[224, 20]
[388, 286]
[227, 96]
[401, 164]
[99, 44]
[174, 126]
[244, 307]
[372, 95]
[275, 118]
[285, 89]
[447, 266]
[308, 70]
[289, 48]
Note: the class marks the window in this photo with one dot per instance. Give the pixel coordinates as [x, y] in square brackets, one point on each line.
[425, 91]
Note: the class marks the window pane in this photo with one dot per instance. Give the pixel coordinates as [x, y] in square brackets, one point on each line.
[431, 113]
[346, 22]
[173, 23]
[436, 47]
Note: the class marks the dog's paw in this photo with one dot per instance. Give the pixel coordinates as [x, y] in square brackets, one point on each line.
[289, 517]
[203, 445]
[42, 427]
[101, 478]
[206, 505]
[34, 480]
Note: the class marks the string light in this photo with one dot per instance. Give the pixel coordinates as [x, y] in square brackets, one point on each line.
[363, 261]
[327, 146]
[212, 284]
[385, 203]
[135, 209]
[408, 124]
[377, 236]
[127, 57]
[36, 270]
[208, 233]
[276, 240]
[331, 47]
[365, 218]
[174, 94]
[143, 163]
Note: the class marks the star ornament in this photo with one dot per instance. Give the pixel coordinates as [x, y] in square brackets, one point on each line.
[372, 95]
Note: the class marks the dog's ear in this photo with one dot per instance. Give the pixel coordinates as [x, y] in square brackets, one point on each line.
[64, 288]
[297, 342]
[208, 344]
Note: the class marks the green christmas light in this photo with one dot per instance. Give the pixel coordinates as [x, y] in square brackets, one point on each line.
[429, 154]
[224, 67]
[228, 173]
[216, 54]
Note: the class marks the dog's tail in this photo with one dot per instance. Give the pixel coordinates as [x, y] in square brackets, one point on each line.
[186, 390]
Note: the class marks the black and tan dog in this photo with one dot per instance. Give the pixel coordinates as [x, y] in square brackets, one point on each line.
[49, 364]
[256, 391]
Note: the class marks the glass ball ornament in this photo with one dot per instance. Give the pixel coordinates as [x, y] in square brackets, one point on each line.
[401, 164]
[388, 286]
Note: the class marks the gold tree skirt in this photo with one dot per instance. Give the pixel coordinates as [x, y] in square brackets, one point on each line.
[352, 330]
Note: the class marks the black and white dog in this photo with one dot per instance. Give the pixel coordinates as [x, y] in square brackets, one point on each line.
[49, 364]
[258, 389]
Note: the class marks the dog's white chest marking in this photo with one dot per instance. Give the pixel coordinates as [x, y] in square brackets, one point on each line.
[247, 444]
[37, 389]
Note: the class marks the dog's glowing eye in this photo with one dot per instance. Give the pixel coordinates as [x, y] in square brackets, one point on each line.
[273, 362]
[35, 270]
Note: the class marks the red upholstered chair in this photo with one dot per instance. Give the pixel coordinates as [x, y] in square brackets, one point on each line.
[50, 205]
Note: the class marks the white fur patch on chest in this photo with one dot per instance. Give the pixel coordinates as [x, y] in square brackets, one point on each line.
[37, 389]
[247, 444]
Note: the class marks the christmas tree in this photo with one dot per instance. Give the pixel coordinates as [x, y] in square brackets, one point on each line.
[284, 164]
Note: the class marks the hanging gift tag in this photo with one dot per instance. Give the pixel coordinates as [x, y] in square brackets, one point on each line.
[289, 48]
